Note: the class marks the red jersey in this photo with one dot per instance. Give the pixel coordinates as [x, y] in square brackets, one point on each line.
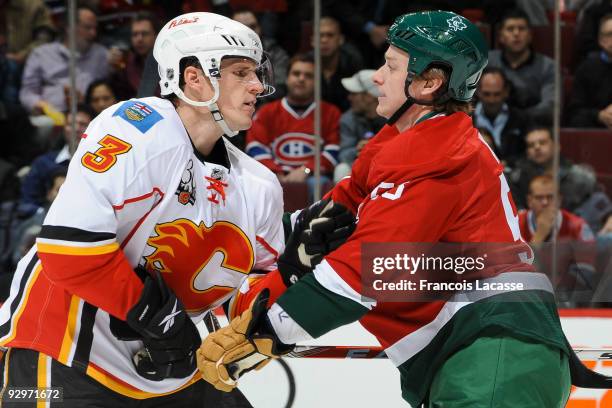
[283, 140]
[435, 182]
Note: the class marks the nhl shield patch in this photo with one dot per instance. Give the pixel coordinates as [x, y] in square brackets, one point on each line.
[138, 114]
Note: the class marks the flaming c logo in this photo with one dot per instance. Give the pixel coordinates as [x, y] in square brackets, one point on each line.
[193, 258]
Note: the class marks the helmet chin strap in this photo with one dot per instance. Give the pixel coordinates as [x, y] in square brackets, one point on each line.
[211, 104]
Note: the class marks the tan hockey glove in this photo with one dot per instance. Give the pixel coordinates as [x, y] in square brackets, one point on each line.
[248, 343]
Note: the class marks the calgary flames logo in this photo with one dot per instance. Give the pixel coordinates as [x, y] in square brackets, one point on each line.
[200, 263]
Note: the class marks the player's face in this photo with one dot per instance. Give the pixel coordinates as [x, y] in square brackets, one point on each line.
[238, 90]
[539, 146]
[300, 82]
[515, 35]
[390, 80]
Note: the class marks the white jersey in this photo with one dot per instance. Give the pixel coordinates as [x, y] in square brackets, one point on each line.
[137, 193]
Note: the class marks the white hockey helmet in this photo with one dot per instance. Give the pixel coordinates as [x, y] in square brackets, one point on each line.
[209, 37]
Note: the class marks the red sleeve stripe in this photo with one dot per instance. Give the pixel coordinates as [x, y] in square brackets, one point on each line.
[267, 246]
[140, 198]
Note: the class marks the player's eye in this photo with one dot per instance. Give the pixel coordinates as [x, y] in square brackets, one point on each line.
[243, 73]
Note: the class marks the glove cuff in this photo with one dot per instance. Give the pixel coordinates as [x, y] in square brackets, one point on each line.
[289, 272]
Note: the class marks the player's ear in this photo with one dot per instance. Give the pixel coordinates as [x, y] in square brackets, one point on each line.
[191, 75]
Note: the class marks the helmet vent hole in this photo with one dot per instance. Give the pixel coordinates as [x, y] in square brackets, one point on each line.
[404, 34]
[226, 39]
[460, 45]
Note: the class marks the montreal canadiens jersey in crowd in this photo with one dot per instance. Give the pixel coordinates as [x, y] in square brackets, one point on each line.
[435, 182]
[575, 246]
[137, 193]
[283, 140]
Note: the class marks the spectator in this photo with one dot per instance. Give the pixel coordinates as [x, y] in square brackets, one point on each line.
[360, 122]
[26, 232]
[282, 133]
[100, 95]
[506, 124]
[588, 26]
[575, 181]
[128, 66]
[531, 73]
[278, 56]
[17, 133]
[25, 25]
[46, 74]
[34, 185]
[338, 60]
[576, 255]
[591, 101]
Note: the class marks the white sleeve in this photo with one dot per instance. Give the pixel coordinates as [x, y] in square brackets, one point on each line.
[270, 235]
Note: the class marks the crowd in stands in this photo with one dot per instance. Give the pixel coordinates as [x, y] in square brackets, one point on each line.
[513, 109]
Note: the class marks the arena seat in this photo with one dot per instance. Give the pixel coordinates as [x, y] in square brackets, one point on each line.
[544, 42]
[590, 146]
[295, 196]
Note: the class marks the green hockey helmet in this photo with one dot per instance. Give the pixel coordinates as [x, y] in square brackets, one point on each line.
[446, 40]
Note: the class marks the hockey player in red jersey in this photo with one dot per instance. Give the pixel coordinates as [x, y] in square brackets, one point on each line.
[160, 220]
[425, 177]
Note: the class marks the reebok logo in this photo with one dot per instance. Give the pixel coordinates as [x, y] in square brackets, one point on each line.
[168, 321]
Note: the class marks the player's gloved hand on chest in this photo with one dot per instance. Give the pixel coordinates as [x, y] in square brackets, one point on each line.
[318, 230]
[170, 337]
[248, 343]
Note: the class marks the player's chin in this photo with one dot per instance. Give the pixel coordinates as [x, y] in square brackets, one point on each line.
[244, 122]
[382, 111]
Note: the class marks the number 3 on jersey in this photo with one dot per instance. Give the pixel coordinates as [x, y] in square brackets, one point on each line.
[106, 156]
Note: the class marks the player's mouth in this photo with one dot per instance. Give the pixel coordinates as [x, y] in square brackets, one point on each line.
[249, 106]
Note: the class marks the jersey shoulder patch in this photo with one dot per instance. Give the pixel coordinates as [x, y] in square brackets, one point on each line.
[138, 114]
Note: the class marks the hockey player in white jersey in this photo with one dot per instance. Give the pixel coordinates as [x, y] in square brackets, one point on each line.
[160, 220]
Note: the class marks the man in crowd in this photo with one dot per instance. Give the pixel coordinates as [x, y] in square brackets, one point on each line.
[128, 67]
[34, 185]
[531, 73]
[590, 105]
[46, 74]
[282, 135]
[492, 112]
[576, 181]
[24, 25]
[338, 60]
[576, 254]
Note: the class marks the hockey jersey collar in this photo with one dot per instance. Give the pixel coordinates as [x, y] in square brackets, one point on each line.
[218, 154]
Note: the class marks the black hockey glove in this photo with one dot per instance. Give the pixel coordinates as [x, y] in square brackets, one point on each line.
[170, 337]
[318, 230]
